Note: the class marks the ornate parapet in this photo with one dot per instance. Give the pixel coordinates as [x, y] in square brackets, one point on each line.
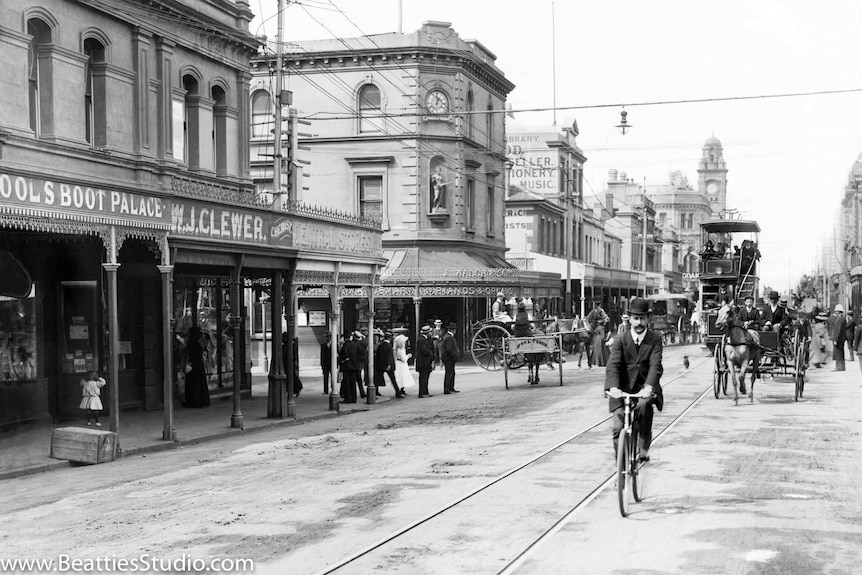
[190, 188]
[324, 213]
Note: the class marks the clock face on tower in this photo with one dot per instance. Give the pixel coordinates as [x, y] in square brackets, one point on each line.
[437, 102]
[711, 188]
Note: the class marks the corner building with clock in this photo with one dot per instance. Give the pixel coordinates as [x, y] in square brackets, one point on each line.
[408, 129]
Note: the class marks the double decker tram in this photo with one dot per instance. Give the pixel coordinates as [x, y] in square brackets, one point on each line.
[729, 269]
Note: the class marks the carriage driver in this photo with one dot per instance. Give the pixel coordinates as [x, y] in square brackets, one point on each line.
[498, 309]
[634, 366]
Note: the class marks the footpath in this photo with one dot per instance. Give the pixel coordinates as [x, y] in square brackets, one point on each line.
[26, 449]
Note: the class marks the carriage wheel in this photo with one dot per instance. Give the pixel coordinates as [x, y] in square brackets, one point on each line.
[517, 360]
[487, 347]
[718, 371]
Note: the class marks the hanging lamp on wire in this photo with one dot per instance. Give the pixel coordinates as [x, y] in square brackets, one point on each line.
[623, 126]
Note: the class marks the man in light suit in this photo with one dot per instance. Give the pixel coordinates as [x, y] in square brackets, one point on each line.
[634, 366]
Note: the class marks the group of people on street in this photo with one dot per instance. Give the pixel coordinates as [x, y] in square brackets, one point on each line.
[835, 330]
[436, 346]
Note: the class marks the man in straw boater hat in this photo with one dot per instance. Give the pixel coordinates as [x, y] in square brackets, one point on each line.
[635, 366]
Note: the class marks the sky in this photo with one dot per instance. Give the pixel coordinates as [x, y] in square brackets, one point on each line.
[788, 158]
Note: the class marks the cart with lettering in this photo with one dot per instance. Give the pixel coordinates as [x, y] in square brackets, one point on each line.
[486, 343]
[534, 350]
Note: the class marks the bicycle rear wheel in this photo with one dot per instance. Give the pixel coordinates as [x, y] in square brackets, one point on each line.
[624, 476]
[638, 469]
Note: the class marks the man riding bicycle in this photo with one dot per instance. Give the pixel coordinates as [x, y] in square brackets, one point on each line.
[634, 366]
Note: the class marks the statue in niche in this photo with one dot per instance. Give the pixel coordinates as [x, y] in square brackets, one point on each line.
[438, 190]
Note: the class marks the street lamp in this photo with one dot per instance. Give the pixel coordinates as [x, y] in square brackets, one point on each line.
[623, 126]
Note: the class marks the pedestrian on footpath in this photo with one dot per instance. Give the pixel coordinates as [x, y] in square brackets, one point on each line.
[819, 335]
[857, 343]
[424, 360]
[383, 362]
[354, 363]
[326, 361]
[449, 355]
[437, 333]
[849, 332]
[838, 335]
[91, 402]
[402, 356]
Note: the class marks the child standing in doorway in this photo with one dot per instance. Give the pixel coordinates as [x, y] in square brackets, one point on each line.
[91, 402]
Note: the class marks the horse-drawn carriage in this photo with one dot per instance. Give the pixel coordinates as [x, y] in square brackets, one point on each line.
[783, 353]
[487, 343]
[671, 316]
[727, 278]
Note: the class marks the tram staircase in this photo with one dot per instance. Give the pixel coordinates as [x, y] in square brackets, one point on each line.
[746, 286]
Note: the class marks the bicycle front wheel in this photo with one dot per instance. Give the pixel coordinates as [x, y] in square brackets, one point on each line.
[638, 469]
[624, 476]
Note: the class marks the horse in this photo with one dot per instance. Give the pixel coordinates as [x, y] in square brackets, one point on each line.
[579, 340]
[741, 350]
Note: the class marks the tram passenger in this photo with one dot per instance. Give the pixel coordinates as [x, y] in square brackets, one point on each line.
[632, 371]
[708, 252]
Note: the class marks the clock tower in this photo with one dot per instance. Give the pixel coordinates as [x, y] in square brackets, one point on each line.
[712, 175]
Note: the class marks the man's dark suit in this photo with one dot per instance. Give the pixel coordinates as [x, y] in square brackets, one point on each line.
[752, 316]
[383, 364]
[776, 317]
[630, 368]
[354, 362]
[424, 362]
[449, 355]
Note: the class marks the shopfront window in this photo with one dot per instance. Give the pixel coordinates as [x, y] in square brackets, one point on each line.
[205, 302]
[18, 350]
[79, 351]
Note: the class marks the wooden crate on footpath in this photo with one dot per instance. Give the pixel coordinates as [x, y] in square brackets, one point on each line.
[83, 445]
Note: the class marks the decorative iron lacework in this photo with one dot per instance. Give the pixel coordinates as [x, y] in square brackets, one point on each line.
[50, 226]
[426, 275]
[195, 189]
[313, 277]
[354, 279]
[323, 213]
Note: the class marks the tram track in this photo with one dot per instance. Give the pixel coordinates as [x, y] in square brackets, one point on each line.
[536, 543]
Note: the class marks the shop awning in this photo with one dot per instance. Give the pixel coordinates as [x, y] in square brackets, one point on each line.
[417, 265]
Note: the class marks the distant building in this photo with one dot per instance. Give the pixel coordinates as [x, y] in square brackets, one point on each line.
[409, 129]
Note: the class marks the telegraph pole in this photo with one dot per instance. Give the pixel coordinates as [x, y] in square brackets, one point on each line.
[277, 196]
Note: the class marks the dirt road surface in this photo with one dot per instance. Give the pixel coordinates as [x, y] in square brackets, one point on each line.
[768, 487]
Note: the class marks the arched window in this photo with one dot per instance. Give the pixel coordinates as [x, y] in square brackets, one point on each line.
[95, 129]
[220, 129]
[262, 115]
[470, 109]
[369, 105]
[38, 76]
[191, 122]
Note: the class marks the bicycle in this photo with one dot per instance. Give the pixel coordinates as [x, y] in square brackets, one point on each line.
[631, 469]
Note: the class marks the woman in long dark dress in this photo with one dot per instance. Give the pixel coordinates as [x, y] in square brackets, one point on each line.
[197, 390]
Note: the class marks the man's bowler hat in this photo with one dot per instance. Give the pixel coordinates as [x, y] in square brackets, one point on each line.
[639, 306]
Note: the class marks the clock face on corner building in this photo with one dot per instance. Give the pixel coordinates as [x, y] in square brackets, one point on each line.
[711, 188]
[437, 102]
